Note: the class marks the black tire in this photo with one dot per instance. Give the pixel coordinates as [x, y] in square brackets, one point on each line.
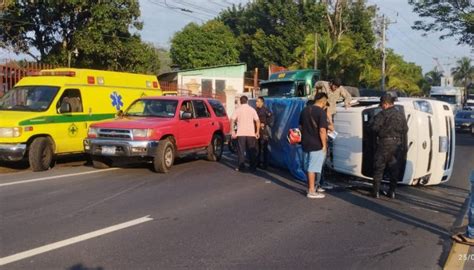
[215, 148]
[100, 163]
[41, 154]
[164, 158]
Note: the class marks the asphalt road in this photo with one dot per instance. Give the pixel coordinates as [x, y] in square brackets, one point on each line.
[204, 215]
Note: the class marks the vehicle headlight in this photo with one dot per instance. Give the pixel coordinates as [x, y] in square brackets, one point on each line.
[92, 132]
[423, 105]
[142, 133]
[12, 132]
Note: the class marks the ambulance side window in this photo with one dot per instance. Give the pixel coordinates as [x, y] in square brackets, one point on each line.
[73, 97]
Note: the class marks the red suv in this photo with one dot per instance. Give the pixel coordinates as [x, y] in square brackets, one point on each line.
[158, 129]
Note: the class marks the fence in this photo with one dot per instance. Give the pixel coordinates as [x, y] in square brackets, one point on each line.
[11, 72]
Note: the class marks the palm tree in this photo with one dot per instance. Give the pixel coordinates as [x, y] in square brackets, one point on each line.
[463, 72]
[433, 77]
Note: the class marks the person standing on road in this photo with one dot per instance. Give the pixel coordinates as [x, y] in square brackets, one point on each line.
[314, 124]
[334, 91]
[390, 127]
[247, 134]
[266, 119]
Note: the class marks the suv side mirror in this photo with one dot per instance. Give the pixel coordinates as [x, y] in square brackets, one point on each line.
[186, 116]
[65, 108]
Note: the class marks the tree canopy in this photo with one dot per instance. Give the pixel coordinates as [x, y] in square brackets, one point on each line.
[104, 33]
[208, 45]
[454, 18]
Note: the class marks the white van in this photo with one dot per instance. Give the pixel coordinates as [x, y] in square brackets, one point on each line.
[431, 140]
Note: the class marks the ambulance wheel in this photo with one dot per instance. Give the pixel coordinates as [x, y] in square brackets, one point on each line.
[164, 158]
[215, 148]
[41, 154]
[100, 162]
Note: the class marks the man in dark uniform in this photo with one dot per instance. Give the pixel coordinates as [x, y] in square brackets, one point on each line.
[390, 127]
[266, 119]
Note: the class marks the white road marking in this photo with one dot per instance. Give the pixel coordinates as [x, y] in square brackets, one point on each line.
[70, 241]
[53, 177]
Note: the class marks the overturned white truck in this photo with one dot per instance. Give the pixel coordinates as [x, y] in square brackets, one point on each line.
[430, 142]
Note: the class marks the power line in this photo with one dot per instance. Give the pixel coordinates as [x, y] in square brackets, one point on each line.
[406, 21]
[183, 13]
[200, 8]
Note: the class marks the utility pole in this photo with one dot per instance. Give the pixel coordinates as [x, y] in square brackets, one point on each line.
[383, 51]
[385, 23]
[315, 50]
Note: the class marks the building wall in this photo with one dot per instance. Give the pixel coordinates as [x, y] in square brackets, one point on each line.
[195, 80]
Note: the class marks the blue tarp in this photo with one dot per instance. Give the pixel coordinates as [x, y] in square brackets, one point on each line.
[286, 112]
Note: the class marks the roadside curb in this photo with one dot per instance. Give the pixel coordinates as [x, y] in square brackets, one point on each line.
[455, 259]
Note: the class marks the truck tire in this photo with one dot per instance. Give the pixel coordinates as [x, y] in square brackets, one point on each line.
[164, 158]
[100, 162]
[41, 154]
[215, 148]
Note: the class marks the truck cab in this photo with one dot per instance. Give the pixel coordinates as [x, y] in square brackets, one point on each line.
[449, 94]
[296, 83]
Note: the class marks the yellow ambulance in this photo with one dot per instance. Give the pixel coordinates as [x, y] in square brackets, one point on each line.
[48, 113]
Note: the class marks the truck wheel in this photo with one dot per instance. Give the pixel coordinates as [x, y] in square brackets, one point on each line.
[164, 158]
[41, 154]
[215, 148]
[100, 162]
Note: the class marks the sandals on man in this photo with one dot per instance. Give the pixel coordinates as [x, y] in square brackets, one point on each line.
[463, 239]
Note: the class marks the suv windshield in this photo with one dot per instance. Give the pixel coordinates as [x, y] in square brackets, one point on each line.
[279, 89]
[152, 108]
[445, 98]
[28, 98]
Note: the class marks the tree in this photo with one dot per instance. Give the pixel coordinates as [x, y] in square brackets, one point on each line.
[453, 17]
[336, 58]
[403, 76]
[268, 32]
[433, 77]
[208, 45]
[463, 72]
[103, 32]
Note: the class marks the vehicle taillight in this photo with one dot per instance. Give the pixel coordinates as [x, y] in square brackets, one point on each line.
[155, 84]
[90, 79]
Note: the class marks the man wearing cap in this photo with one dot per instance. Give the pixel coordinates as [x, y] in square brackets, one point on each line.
[390, 127]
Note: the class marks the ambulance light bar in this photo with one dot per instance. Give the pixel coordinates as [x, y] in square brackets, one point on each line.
[52, 73]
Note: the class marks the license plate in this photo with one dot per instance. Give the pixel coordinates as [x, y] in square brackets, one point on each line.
[108, 150]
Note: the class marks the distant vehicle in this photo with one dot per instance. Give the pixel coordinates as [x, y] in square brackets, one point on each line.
[464, 120]
[158, 129]
[469, 102]
[450, 94]
[430, 142]
[296, 83]
[47, 113]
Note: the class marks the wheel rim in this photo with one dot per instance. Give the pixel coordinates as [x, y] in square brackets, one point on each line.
[168, 157]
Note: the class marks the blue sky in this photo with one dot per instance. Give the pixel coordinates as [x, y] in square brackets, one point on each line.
[162, 21]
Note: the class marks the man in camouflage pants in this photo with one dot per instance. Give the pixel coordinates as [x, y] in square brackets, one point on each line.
[390, 126]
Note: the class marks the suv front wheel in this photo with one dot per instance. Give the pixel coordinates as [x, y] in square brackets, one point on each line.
[215, 148]
[164, 158]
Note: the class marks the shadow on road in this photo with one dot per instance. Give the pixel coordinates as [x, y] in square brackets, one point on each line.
[80, 266]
